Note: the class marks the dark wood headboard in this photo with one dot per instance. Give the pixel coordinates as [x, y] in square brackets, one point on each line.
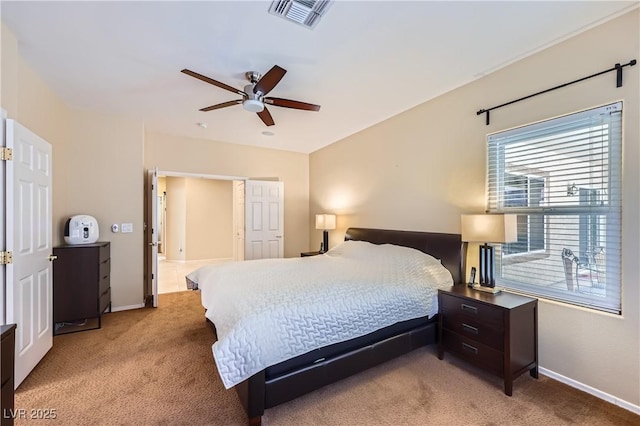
[446, 247]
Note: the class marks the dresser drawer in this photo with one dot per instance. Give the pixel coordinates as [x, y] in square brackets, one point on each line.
[6, 362]
[459, 309]
[105, 276]
[490, 334]
[105, 300]
[474, 352]
[105, 252]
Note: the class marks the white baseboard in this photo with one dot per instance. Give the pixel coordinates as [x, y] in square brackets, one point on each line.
[590, 390]
[126, 308]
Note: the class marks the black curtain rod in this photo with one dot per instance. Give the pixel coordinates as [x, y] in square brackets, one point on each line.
[617, 68]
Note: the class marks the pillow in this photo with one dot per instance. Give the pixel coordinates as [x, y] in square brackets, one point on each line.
[366, 250]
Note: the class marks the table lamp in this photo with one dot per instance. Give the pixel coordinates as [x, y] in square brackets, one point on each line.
[488, 228]
[325, 222]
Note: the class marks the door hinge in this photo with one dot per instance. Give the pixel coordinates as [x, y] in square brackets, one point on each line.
[6, 154]
[6, 257]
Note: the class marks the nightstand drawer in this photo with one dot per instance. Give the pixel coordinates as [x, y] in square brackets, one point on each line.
[491, 335]
[474, 352]
[459, 309]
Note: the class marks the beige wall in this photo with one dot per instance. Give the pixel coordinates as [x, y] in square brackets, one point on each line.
[9, 70]
[184, 155]
[421, 169]
[97, 162]
[28, 100]
[176, 238]
[103, 160]
[209, 219]
[199, 218]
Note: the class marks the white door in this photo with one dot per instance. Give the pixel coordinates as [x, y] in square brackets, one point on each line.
[3, 242]
[152, 236]
[29, 279]
[238, 219]
[264, 203]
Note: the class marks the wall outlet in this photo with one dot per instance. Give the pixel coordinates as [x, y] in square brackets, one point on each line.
[127, 227]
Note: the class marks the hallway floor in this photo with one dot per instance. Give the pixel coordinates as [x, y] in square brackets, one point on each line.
[171, 273]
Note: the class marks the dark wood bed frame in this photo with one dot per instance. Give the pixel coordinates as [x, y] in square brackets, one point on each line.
[279, 384]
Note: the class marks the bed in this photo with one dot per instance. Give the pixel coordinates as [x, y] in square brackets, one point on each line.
[268, 371]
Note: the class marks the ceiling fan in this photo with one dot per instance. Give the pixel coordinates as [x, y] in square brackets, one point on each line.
[254, 94]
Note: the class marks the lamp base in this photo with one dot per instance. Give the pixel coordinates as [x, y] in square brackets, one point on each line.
[325, 241]
[492, 290]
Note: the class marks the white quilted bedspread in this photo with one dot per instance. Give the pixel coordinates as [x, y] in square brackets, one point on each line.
[267, 311]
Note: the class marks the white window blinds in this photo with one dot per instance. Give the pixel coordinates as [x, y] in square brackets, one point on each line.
[562, 177]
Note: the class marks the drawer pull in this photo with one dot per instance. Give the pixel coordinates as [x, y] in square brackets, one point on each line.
[470, 329]
[470, 348]
[469, 308]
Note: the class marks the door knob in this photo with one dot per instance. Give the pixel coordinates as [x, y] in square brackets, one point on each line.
[153, 244]
[52, 257]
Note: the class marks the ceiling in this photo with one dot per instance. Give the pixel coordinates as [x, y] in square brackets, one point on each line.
[364, 62]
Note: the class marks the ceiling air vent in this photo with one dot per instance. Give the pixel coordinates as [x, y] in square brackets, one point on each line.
[303, 12]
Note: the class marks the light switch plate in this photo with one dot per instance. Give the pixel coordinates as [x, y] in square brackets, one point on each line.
[127, 227]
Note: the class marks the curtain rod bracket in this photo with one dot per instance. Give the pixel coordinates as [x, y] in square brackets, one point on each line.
[619, 75]
[617, 68]
[484, 111]
[619, 72]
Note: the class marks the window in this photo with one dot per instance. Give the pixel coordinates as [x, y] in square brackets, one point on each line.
[522, 191]
[562, 178]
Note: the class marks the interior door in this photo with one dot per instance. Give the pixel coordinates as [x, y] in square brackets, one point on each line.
[29, 279]
[3, 242]
[238, 219]
[264, 227]
[152, 236]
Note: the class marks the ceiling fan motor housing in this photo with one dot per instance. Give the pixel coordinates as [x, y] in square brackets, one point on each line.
[253, 102]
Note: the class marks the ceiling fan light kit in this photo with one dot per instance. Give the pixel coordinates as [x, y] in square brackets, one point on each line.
[253, 96]
[252, 105]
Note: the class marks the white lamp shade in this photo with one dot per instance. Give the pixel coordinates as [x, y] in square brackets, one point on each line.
[325, 221]
[489, 228]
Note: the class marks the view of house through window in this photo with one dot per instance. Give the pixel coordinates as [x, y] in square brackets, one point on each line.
[562, 178]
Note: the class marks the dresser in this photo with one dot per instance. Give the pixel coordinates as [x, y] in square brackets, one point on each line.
[7, 372]
[495, 332]
[81, 286]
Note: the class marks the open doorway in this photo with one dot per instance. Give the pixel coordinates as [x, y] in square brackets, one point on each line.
[265, 209]
[196, 226]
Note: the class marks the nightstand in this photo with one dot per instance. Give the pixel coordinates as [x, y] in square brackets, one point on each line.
[495, 332]
[309, 253]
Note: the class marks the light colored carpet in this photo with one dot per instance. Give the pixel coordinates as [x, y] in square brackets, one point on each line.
[155, 367]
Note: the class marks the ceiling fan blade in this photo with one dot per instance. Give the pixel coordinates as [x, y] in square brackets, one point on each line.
[265, 116]
[214, 82]
[288, 103]
[222, 105]
[269, 80]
